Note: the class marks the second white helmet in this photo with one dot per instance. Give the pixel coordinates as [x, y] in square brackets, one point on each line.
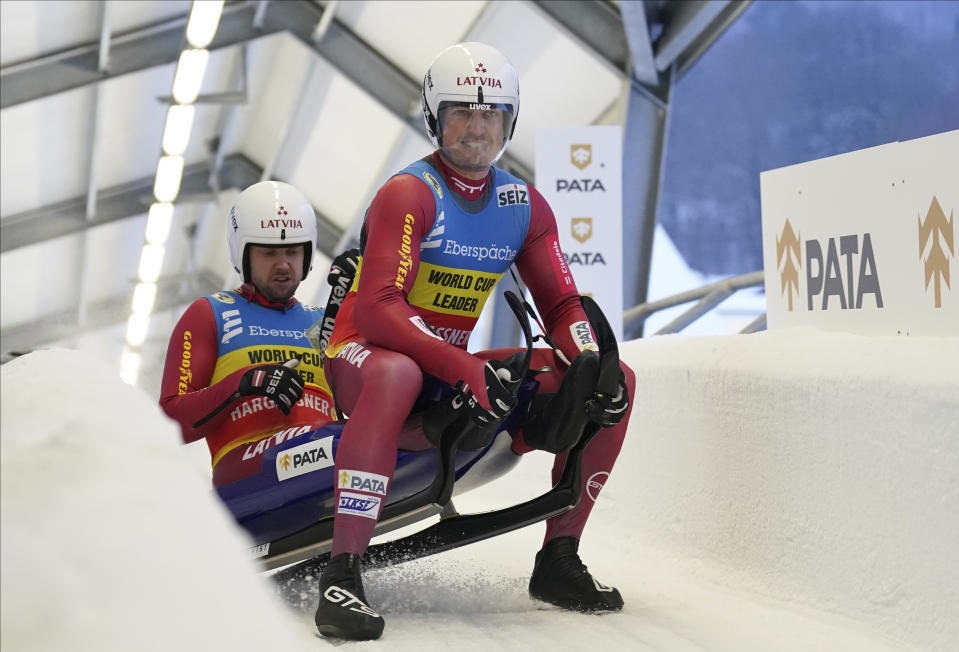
[270, 213]
[470, 73]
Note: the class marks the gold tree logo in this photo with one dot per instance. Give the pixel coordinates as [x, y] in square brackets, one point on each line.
[344, 478]
[285, 462]
[581, 155]
[581, 228]
[788, 250]
[938, 229]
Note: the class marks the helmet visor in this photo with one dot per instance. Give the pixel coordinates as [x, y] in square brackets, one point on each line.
[473, 134]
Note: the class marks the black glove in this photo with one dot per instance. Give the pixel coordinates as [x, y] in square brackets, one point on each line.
[608, 410]
[282, 384]
[463, 413]
[500, 390]
[343, 267]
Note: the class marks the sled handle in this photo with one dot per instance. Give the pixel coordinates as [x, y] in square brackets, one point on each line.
[517, 306]
[608, 381]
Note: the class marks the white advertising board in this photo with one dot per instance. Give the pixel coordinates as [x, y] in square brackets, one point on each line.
[579, 170]
[865, 242]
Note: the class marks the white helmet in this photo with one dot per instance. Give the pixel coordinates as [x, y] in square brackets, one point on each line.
[270, 213]
[470, 73]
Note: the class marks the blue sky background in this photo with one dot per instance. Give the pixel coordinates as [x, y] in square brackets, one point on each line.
[791, 82]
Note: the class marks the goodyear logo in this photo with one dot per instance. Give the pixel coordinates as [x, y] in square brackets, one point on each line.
[186, 373]
[406, 260]
[305, 458]
[430, 179]
[362, 481]
[358, 505]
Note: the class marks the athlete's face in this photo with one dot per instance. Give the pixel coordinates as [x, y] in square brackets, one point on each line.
[276, 271]
[471, 138]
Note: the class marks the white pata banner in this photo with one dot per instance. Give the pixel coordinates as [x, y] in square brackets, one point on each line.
[865, 242]
[579, 170]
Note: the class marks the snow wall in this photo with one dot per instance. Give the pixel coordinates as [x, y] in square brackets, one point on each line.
[819, 468]
[813, 469]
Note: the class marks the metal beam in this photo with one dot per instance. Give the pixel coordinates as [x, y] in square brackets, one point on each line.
[636, 28]
[162, 43]
[171, 292]
[647, 129]
[691, 27]
[597, 24]
[707, 37]
[624, 47]
[134, 198]
[155, 45]
[103, 64]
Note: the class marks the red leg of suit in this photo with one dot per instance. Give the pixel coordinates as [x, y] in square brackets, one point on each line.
[598, 460]
[599, 456]
[378, 392]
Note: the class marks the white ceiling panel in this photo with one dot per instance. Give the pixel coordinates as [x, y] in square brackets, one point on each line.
[46, 151]
[32, 29]
[112, 256]
[278, 65]
[39, 280]
[350, 137]
[178, 254]
[223, 75]
[209, 244]
[410, 34]
[314, 290]
[29, 29]
[131, 126]
[127, 15]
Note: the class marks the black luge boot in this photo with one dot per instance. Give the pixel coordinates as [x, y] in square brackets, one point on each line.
[343, 611]
[560, 578]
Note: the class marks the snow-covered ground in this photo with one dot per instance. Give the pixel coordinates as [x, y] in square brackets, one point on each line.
[722, 524]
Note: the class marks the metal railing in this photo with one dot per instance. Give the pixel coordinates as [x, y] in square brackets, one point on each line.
[709, 297]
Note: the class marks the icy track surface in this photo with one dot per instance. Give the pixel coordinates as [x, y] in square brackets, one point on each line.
[112, 540]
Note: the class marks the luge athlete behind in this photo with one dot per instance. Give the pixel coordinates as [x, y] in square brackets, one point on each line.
[240, 371]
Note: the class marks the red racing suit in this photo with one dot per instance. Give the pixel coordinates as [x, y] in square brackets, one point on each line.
[216, 340]
[411, 310]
